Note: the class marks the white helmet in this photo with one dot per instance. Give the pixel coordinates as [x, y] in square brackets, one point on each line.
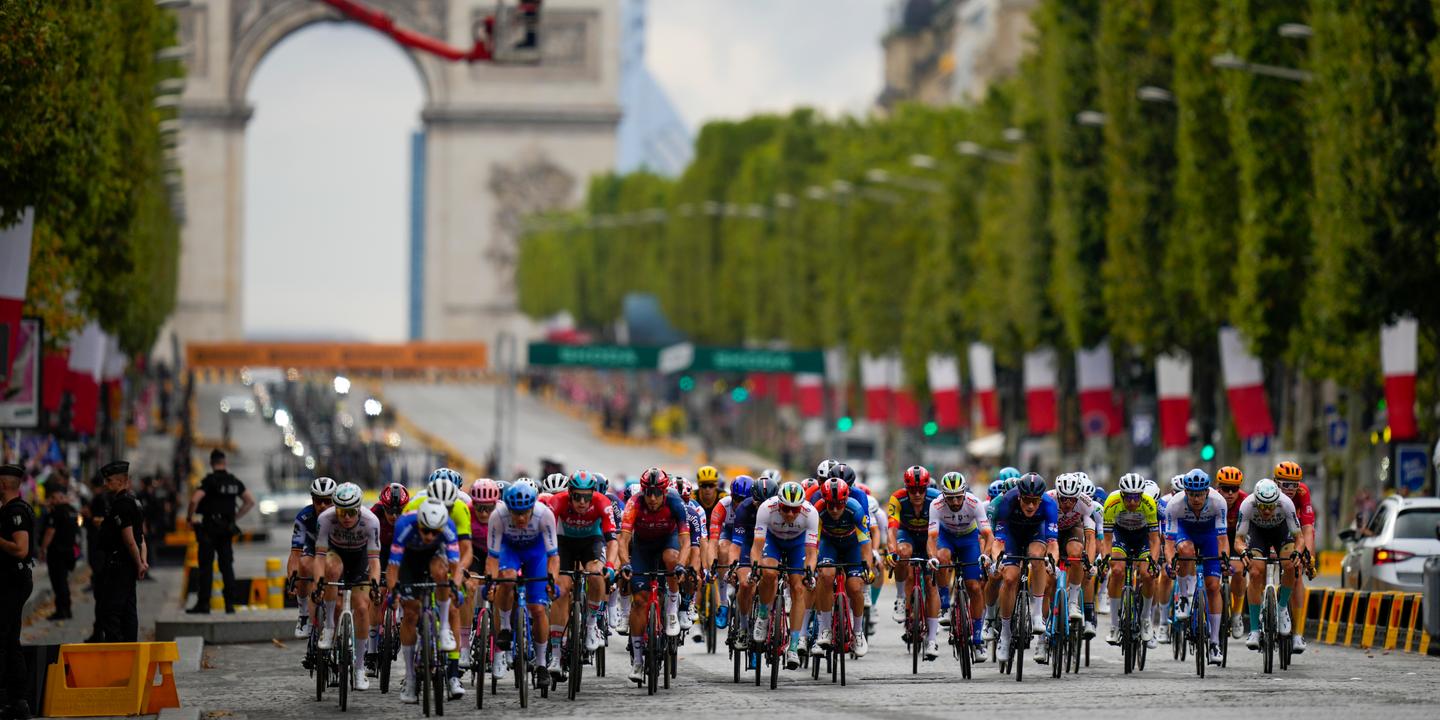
[527, 481]
[1152, 489]
[446, 473]
[442, 491]
[1087, 486]
[1132, 483]
[774, 474]
[1267, 492]
[347, 496]
[822, 470]
[432, 515]
[1177, 484]
[554, 483]
[322, 487]
[1069, 486]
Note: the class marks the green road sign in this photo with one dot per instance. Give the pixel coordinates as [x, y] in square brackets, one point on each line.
[622, 357]
[677, 358]
[747, 360]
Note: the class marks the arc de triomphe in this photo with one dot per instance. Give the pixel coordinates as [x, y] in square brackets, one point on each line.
[501, 141]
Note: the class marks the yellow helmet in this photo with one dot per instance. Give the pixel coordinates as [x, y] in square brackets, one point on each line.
[707, 475]
[1289, 471]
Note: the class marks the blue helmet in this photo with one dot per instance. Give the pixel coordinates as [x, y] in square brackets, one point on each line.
[582, 480]
[763, 489]
[519, 497]
[1030, 484]
[602, 483]
[1100, 493]
[740, 487]
[1196, 480]
[1007, 473]
[997, 489]
[446, 473]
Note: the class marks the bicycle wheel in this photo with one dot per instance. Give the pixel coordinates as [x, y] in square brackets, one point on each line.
[575, 644]
[712, 600]
[732, 636]
[1271, 633]
[1128, 629]
[1020, 638]
[1055, 648]
[438, 674]
[427, 657]
[960, 618]
[652, 647]
[384, 653]
[345, 659]
[914, 621]
[520, 650]
[479, 649]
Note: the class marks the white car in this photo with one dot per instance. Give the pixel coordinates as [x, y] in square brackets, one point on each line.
[1389, 553]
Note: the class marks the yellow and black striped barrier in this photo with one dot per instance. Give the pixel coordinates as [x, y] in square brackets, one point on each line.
[1368, 619]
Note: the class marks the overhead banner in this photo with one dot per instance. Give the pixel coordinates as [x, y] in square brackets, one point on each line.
[20, 402]
[341, 356]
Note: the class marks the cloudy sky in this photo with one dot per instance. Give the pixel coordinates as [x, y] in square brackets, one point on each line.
[327, 153]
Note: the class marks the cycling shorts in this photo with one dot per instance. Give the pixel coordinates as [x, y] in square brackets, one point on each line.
[646, 557]
[841, 551]
[580, 550]
[1130, 544]
[415, 568]
[918, 547]
[1266, 540]
[1206, 545]
[963, 549]
[790, 553]
[531, 561]
[1074, 533]
[355, 567]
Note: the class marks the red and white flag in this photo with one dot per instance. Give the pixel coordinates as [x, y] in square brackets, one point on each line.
[907, 410]
[982, 379]
[1398, 350]
[810, 390]
[87, 363]
[1172, 387]
[944, 374]
[14, 276]
[1100, 410]
[1245, 386]
[784, 389]
[1040, 381]
[875, 380]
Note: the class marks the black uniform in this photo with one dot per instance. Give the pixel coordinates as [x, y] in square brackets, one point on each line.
[116, 617]
[15, 585]
[215, 534]
[60, 555]
[95, 516]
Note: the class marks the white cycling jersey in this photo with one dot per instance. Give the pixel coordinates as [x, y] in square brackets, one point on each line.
[1082, 513]
[771, 523]
[364, 535]
[1211, 516]
[504, 532]
[969, 518]
[879, 523]
[1250, 517]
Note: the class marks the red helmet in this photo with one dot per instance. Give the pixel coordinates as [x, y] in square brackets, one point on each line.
[654, 479]
[834, 492]
[810, 484]
[916, 476]
[394, 497]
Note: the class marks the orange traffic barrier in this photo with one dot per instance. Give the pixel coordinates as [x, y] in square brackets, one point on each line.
[112, 679]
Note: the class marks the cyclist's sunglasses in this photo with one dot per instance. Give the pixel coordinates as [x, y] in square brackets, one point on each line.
[1288, 485]
[1131, 497]
[1030, 498]
[488, 507]
[655, 492]
[1198, 493]
[586, 496]
[711, 484]
[427, 532]
[321, 500]
[1225, 489]
[348, 512]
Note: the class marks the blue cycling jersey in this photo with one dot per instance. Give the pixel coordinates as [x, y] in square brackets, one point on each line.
[407, 539]
[1010, 518]
[307, 526]
[853, 523]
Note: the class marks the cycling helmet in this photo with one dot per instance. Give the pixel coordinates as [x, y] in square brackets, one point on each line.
[916, 476]
[809, 484]
[583, 480]
[1131, 483]
[347, 496]
[791, 494]
[553, 483]
[1008, 473]
[654, 479]
[1177, 483]
[1229, 476]
[1267, 493]
[447, 474]
[1289, 471]
[1197, 480]
[631, 488]
[834, 491]
[520, 497]
[602, 483]
[502, 486]
[823, 469]
[953, 483]
[394, 496]
[740, 488]
[525, 480]
[683, 486]
[997, 488]
[1069, 486]
[1152, 489]
[774, 474]
[1030, 484]
[1087, 486]
[844, 472]
[442, 491]
[707, 475]
[322, 487]
[763, 489]
[432, 515]
[486, 491]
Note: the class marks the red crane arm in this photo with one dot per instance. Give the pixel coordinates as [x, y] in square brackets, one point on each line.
[409, 38]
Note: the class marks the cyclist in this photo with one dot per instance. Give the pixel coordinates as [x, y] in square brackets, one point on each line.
[1007, 478]
[1132, 529]
[692, 558]
[1197, 526]
[348, 537]
[585, 530]
[484, 496]
[909, 517]
[1097, 515]
[654, 528]
[389, 508]
[1268, 524]
[443, 485]
[722, 520]
[1288, 476]
[1228, 480]
[300, 566]
[786, 536]
[1164, 584]
[844, 540]
[425, 549]
[878, 521]
[710, 490]
[1076, 527]
[959, 532]
[522, 543]
[552, 485]
[1025, 525]
[742, 529]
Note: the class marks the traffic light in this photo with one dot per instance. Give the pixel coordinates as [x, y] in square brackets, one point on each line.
[844, 423]
[739, 394]
[687, 383]
[1207, 453]
[931, 428]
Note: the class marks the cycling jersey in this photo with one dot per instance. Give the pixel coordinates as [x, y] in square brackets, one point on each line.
[772, 524]
[649, 526]
[1283, 516]
[303, 539]
[1183, 522]
[965, 521]
[539, 531]
[1016, 528]
[695, 518]
[1232, 513]
[852, 525]
[1161, 505]
[1080, 515]
[409, 543]
[878, 522]
[363, 536]
[1304, 511]
[387, 526]
[598, 520]
[720, 520]
[740, 523]
[459, 512]
[1120, 521]
[709, 511]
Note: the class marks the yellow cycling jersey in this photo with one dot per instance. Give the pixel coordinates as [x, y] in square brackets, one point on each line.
[459, 512]
[1119, 519]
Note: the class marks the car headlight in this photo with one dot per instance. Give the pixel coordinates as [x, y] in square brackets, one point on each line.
[269, 507]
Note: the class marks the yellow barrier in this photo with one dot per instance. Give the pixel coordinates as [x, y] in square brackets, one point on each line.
[275, 578]
[111, 679]
[1329, 562]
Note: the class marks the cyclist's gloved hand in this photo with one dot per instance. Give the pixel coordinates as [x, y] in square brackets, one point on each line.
[932, 563]
[680, 571]
[610, 575]
[626, 570]
[809, 580]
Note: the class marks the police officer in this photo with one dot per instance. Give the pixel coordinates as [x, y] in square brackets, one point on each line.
[122, 550]
[215, 500]
[58, 549]
[17, 520]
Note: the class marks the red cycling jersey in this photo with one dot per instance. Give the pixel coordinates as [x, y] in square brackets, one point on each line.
[654, 525]
[596, 520]
[1232, 513]
[1303, 510]
[387, 524]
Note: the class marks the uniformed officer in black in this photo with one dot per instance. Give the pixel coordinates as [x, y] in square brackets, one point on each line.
[58, 549]
[215, 501]
[122, 549]
[17, 521]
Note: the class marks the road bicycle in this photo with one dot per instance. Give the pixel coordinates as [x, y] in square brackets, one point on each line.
[341, 659]
[1020, 617]
[429, 661]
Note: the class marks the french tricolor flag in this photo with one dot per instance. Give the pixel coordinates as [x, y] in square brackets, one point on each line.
[944, 374]
[87, 363]
[810, 391]
[1398, 361]
[14, 276]
[1040, 381]
[907, 410]
[982, 379]
[877, 384]
[1172, 387]
[1245, 386]
[1100, 412]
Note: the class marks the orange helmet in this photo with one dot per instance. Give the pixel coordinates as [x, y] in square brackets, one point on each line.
[1289, 470]
[1229, 476]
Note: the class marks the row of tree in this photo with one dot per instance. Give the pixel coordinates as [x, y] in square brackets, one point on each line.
[80, 142]
[1303, 213]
